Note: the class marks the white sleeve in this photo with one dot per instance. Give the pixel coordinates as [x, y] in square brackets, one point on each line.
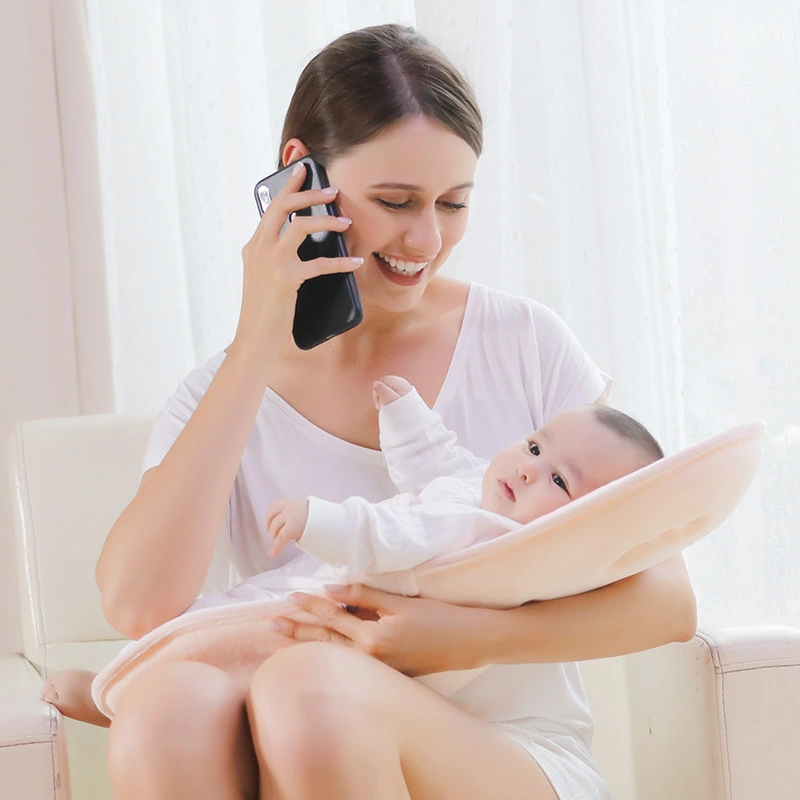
[568, 376]
[382, 537]
[419, 448]
[177, 411]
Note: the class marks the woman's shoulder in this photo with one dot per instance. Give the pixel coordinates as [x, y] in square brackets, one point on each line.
[199, 378]
[186, 395]
[497, 310]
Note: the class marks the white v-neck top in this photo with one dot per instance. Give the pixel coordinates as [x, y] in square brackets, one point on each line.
[515, 365]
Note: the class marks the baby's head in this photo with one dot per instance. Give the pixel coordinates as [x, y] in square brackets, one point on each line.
[577, 451]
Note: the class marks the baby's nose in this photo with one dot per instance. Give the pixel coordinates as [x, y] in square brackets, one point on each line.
[527, 471]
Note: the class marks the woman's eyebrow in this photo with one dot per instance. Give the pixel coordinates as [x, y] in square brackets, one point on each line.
[411, 188]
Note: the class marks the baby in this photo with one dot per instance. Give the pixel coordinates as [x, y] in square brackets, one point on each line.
[450, 499]
[446, 488]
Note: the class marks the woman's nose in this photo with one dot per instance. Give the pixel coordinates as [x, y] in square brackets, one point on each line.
[423, 235]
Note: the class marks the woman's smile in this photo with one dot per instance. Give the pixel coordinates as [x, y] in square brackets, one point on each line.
[404, 267]
[398, 275]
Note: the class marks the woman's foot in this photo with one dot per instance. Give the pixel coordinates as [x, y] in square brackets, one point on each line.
[70, 691]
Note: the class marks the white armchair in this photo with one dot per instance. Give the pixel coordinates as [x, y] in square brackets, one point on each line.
[712, 719]
[70, 480]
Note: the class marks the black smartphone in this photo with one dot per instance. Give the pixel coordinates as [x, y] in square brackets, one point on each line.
[327, 305]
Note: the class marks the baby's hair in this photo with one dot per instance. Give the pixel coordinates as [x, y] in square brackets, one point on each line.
[631, 430]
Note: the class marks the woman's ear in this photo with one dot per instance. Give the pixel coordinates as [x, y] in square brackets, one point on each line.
[292, 151]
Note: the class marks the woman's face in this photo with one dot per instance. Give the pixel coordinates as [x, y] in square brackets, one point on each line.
[407, 192]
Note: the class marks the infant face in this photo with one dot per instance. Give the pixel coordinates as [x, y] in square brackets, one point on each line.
[561, 461]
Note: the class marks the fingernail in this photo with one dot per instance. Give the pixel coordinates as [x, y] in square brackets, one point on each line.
[346, 220]
[334, 587]
[294, 600]
[356, 260]
[50, 696]
[275, 626]
[298, 168]
[330, 191]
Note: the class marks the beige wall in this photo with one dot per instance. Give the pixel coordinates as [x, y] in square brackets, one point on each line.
[54, 341]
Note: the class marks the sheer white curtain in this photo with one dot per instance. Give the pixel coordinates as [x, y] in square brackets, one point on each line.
[639, 177]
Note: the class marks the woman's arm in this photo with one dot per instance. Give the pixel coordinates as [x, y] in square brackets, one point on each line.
[418, 636]
[645, 610]
[157, 554]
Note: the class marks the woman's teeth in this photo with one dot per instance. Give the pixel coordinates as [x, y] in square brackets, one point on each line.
[402, 267]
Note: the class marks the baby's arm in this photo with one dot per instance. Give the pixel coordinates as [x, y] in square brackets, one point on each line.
[336, 528]
[362, 537]
[417, 445]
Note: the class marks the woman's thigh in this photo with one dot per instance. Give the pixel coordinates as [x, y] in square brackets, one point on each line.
[181, 732]
[321, 691]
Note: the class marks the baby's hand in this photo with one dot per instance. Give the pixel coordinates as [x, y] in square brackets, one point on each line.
[286, 521]
[389, 389]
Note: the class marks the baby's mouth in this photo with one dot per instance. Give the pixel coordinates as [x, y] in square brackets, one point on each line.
[507, 491]
[399, 267]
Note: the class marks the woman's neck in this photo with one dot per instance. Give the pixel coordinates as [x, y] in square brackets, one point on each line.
[381, 329]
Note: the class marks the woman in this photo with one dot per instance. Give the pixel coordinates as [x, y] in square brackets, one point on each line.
[334, 714]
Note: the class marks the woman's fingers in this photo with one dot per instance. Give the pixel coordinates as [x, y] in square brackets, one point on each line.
[300, 227]
[290, 200]
[327, 266]
[330, 615]
[358, 594]
[279, 208]
[306, 632]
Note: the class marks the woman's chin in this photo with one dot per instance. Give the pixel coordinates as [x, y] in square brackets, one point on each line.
[385, 290]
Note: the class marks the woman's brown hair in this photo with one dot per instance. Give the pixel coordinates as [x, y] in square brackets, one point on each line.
[368, 79]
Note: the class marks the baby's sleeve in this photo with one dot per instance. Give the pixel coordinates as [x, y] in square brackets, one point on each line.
[383, 537]
[419, 448]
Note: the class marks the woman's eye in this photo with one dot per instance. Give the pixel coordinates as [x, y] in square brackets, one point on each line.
[407, 204]
[394, 206]
[560, 482]
[534, 448]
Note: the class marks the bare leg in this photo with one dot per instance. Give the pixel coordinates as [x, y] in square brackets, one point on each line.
[331, 722]
[181, 732]
[70, 691]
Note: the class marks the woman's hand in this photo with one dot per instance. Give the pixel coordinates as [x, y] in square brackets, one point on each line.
[273, 271]
[414, 635]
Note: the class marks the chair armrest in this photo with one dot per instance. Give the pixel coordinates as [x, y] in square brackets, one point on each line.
[33, 754]
[717, 718]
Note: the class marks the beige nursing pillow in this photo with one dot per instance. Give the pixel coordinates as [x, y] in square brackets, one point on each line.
[615, 531]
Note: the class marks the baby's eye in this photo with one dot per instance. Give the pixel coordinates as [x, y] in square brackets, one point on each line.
[560, 482]
[534, 449]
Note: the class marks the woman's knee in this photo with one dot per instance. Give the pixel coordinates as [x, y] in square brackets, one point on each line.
[312, 715]
[309, 675]
[172, 715]
[306, 694]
